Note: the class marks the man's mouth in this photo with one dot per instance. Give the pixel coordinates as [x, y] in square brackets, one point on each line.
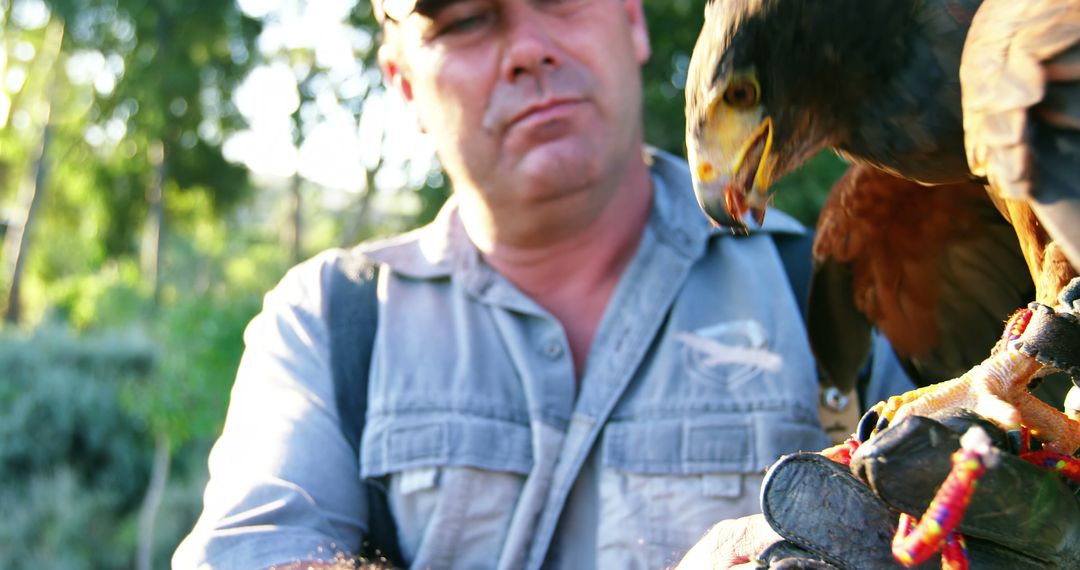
[545, 95]
[542, 111]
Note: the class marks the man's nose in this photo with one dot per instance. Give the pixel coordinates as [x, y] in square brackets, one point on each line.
[529, 48]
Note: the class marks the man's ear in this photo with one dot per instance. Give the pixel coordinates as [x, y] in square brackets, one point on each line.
[639, 31]
[393, 73]
[396, 76]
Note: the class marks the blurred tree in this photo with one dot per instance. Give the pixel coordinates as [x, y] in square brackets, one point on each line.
[172, 61]
[142, 106]
[673, 29]
[38, 116]
[151, 124]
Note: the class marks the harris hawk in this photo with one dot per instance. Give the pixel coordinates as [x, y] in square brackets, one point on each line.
[928, 96]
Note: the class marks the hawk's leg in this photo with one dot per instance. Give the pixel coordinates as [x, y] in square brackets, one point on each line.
[997, 388]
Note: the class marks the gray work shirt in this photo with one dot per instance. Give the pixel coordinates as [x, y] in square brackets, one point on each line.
[699, 377]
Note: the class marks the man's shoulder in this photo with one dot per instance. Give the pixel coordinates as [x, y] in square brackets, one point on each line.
[780, 224]
[309, 279]
[408, 252]
[423, 253]
[304, 285]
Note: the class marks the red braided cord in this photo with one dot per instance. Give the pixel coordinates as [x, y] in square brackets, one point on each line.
[1064, 465]
[954, 556]
[913, 546]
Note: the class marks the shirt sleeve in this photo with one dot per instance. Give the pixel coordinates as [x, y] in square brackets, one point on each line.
[284, 482]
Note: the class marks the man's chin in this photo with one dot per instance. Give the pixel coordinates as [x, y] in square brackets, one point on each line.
[561, 163]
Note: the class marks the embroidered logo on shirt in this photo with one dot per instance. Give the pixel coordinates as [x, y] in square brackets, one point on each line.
[731, 352]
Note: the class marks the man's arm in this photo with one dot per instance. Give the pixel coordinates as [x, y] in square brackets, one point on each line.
[284, 484]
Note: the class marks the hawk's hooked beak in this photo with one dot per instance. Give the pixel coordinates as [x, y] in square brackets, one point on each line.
[726, 192]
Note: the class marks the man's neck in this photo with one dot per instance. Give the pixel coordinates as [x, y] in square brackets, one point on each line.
[574, 275]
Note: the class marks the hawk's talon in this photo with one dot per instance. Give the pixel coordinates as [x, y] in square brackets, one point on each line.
[1015, 437]
[882, 423]
[996, 389]
[868, 424]
[1053, 338]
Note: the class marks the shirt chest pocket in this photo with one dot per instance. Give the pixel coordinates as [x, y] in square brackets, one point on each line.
[445, 475]
[664, 482]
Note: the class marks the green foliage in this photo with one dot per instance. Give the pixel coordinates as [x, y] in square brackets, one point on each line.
[802, 193]
[54, 521]
[216, 286]
[72, 458]
[80, 414]
[673, 29]
[200, 341]
[180, 61]
[77, 431]
[114, 295]
[432, 195]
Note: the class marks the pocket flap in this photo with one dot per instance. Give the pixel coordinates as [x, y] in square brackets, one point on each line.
[397, 444]
[742, 443]
[686, 447]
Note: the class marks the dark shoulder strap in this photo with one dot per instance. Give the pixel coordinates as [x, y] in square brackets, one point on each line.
[839, 412]
[352, 314]
[352, 317]
[795, 253]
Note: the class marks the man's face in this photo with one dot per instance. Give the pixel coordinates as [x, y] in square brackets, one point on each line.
[527, 99]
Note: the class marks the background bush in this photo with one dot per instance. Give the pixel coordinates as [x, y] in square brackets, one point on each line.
[73, 459]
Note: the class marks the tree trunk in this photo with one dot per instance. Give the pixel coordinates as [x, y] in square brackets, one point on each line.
[159, 477]
[357, 216]
[155, 224]
[16, 239]
[297, 219]
[17, 236]
[152, 248]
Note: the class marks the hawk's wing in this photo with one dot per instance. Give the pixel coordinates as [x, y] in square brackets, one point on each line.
[936, 269]
[1020, 77]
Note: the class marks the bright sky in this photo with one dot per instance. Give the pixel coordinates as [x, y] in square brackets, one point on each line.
[335, 146]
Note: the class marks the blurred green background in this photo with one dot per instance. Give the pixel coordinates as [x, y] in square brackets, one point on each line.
[162, 163]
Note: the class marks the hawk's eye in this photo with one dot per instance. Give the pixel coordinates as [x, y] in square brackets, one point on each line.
[742, 93]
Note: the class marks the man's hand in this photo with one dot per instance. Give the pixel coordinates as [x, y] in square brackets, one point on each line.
[730, 544]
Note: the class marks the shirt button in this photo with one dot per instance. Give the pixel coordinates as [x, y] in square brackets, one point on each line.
[553, 350]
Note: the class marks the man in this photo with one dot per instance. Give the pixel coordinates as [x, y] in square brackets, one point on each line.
[572, 369]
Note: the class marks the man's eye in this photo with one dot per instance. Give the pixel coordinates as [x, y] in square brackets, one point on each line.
[464, 23]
